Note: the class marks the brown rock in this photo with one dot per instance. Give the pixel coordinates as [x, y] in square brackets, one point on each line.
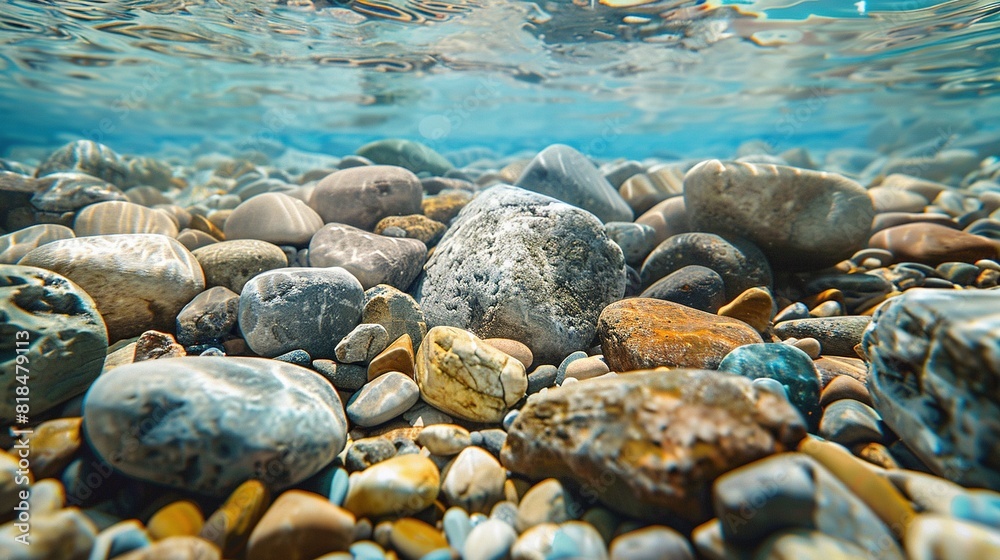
[153, 345]
[668, 218]
[177, 519]
[397, 357]
[651, 443]
[232, 263]
[229, 527]
[301, 526]
[115, 216]
[201, 223]
[445, 206]
[829, 367]
[932, 244]
[845, 387]
[754, 307]
[374, 192]
[416, 226]
[517, 350]
[642, 333]
[53, 446]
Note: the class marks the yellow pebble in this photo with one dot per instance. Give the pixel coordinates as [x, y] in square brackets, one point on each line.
[179, 519]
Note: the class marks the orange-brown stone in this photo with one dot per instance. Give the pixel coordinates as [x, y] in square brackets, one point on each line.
[933, 244]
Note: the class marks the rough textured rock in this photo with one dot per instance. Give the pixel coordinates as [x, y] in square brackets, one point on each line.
[114, 216]
[66, 192]
[372, 258]
[934, 373]
[933, 244]
[273, 217]
[231, 263]
[208, 317]
[139, 281]
[408, 154]
[519, 265]
[397, 311]
[15, 245]
[362, 196]
[798, 217]
[86, 156]
[651, 443]
[195, 423]
[63, 337]
[641, 333]
[300, 308]
[466, 377]
[416, 226]
[567, 175]
[740, 264]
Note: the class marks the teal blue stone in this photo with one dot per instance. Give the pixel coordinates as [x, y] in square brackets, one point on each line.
[338, 487]
[786, 364]
[977, 507]
[406, 154]
[439, 554]
[457, 526]
[366, 550]
[576, 540]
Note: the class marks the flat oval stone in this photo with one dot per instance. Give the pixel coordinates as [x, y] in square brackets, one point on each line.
[178, 519]
[375, 192]
[640, 333]
[798, 217]
[545, 502]
[667, 218]
[565, 174]
[412, 155]
[849, 422]
[645, 460]
[193, 422]
[382, 399]
[59, 337]
[444, 439]
[67, 192]
[474, 481]
[16, 244]
[402, 485]
[300, 308]
[232, 263]
[490, 540]
[111, 217]
[301, 525]
[652, 543]
[740, 264]
[139, 281]
[889, 199]
[754, 307]
[837, 335]
[273, 217]
[786, 364]
[514, 349]
[932, 244]
[693, 286]
[463, 376]
[373, 259]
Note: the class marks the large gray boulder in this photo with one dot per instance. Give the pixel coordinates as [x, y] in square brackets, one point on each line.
[516, 264]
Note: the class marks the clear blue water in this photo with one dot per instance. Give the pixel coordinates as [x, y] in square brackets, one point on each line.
[650, 79]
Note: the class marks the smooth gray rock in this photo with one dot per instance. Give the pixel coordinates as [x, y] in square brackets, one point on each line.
[519, 265]
[63, 338]
[651, 543]
[307, 308]
[373, 259]
[362, 344]
[837, 335]
[232, 263]
[801, 219]
[412, 155]
[934, 374]
[382, 399]
[565, 174]
[273, 217]
[211, 315]
[695, 286]
[206, 424]
[636, 240]
[740, 263]
[362, 196]
[16, 244]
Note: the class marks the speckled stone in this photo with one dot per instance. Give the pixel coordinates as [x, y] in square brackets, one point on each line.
[634, 439]
[16, 244]
[641, 333]
[397, 311]
[933, 376]
[636, 240]
[933, 244]
[373, 259]
[402, 485]
[465, 377]
[382, 399]
[565, 174]
[273, 217]
[411, 155]
[300, 525]
[232, 263]
[307, 308]
[740, 263]
[788, 365]
[375, 192]
[800, 218]
[444, 439]
[193, 422]
[651, 543]
[446, 205]
[693, 286]
[474, 481]
[362, 344]
[111, 217]
[155, 345]
[478, 277]
[138, 281]
[416, 226]
[54, 336]
[208, 317]
[837, 335]
[546, 502]
[366, 452]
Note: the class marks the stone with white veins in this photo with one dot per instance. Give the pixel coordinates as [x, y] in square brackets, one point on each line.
[382, 399]
[374, 259]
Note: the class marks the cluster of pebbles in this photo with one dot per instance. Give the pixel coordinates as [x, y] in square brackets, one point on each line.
[285, 355]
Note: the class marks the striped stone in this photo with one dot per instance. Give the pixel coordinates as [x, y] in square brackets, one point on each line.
[273, 217]
[106, 218]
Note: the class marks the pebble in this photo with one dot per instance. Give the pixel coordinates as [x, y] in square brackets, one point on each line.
[934, 537]
[115, 216]
[382, 399]
[140, 417]
[53, 445]
[307, 308]
[16, 244]
[66, 533]
[565, 174]
[366, 452]
[793, 544]
[398, 356]
[739, 263]
[798, 217]
[345, 377]
[397, 311]
[474, 481]
[47, 496]
[86, 156]
[275, 218]
[693, 286]
[376, 192]
[209, 317]
[478, 279]
[754, 307]
[849, 422]
[412, 155]
[463, 376]
[229, 527]
[444, 439]
[373, 259]
[119, 539]
[546, 502]
[61, 192]
[889, 199]
[837, 335]
[416, 226]
[845, 387]
[445, 206]
[300, 525]
[491, 440]
[667, 218]
[59, 336]
[123, 274]
[932, 372]
[177, 519]
[155, 345]
[413, 539]
[402, 485]
[809, 345]
[667, 476]
[641, 333]
[651, 543]
[362, 344]
[933, 244]
[635, 240]
[193, 239]
[232, 264]
[786, 364]
[423, 414]
[490, 540]
[543, 377]
[175, 547]
[587, 368]
[514, 349]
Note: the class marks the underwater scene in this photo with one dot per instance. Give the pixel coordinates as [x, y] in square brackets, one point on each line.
[488, 280]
